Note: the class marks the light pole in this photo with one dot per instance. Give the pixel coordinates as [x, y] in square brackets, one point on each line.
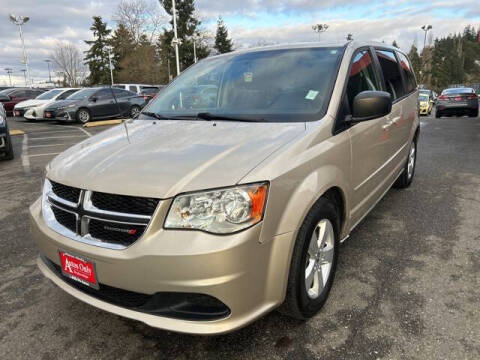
[21, 20]
[175, 41]
[426, 28]
[194, 39]
[48, 61]
[9, 72]
[25, 76]
[110, 64]
[320, 28]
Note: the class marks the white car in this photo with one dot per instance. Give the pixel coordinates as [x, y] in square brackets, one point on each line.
[136, 88]
[33, 109]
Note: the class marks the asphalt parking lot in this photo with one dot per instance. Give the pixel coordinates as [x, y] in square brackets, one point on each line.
[407, 285]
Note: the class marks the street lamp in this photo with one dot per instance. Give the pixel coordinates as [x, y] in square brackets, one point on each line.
[320, 28]
[426, 28]
[175, 41]
[48, 61]
[9, 72]
[110, 56]
[21, 20]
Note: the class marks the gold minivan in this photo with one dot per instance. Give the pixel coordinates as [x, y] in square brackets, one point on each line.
[228, 196]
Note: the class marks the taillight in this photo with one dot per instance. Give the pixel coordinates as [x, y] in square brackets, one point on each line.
[442, 97]
[145, 98]
[472, 97]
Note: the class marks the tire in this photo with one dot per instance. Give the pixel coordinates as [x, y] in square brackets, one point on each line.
[406, 177]
[134, 111]
[474, 113]
[83, 116]
[9, 153]
[438, 114]
[302, 302]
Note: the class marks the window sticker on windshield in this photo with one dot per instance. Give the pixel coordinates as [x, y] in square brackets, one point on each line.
[311, 95]
[247, 76]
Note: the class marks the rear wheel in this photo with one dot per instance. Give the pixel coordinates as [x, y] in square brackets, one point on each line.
[83, 116]
[406, 177]
[134, 111]
[438, 114]
[473, 113]
[314, 261]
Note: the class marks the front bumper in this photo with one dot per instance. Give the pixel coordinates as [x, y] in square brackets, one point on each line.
[60, 115]
[424, 110]
[33, 114]
[245, 275]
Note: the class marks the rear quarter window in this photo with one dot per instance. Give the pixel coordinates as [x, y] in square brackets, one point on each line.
[407, 72]
[391, 73]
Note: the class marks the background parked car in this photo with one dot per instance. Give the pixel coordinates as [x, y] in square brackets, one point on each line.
[95, 103]
[148, 93]
[6, 148]
[33, 109]
[425, 104]
[136, 88]
[10, 97]
[457, 101]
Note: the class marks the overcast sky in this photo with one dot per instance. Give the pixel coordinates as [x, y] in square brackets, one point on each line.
[248, 21]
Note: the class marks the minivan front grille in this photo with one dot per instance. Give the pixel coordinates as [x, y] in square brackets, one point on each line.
[126, 204]
[66, 192]
[106, 220]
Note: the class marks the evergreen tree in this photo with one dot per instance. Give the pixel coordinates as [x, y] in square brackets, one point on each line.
[222, 43]
[97, 56]
[123, 45]
[415, 60]
[188, 26]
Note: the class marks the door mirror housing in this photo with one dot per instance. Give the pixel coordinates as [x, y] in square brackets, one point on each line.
[370, 105]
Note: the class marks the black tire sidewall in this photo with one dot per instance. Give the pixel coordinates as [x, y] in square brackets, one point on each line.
[323, 209]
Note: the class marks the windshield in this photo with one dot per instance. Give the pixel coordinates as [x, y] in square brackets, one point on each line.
[272, 85]
[423, 97]
[7, 91]
[82, 94]
[49, 95]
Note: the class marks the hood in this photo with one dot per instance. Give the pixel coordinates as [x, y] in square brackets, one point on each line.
[61, 104]
[30, 103]
[163, 158]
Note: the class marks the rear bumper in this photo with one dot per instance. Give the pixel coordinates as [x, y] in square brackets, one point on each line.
[471, 105]
[247, 276]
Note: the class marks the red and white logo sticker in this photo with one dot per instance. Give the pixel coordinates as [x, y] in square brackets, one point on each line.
[78, 269]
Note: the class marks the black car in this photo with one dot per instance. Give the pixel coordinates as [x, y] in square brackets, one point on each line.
[457, 101]
[94, 104]
[6, 149]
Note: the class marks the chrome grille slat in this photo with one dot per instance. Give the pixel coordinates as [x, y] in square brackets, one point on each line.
[94, 226]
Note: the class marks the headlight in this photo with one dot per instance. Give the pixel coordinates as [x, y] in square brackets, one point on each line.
[219, 211]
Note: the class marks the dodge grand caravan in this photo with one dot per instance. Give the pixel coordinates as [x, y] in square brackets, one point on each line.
[210, 209]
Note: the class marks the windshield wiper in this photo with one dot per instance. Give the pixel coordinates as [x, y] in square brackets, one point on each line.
[169, 117]
[210, 116]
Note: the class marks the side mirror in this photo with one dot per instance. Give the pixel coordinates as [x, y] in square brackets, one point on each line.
[93, 99]
[370, 105]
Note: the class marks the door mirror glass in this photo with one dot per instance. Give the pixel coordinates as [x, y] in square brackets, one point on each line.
[370, 105]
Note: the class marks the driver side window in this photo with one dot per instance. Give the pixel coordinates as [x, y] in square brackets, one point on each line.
[363, 76]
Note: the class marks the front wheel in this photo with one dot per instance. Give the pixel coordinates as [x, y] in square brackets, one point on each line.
[314, 261]
[83, 116]
[9, 153]
[406, 177]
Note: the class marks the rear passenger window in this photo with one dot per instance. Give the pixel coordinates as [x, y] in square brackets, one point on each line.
[362, 77]
[391, 73]
[407, 72]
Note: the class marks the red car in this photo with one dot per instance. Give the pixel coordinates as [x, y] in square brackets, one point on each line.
[10, 97]
[148, 93]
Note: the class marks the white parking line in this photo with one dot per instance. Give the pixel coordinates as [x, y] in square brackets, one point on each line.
[47, 154]
[25, 158]
[38, 146]
[58, 137]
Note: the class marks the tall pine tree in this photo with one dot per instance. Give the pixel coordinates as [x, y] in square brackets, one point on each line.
[97, 56]
[123, 45]
[188, 26]
[415, 60]
[222, 43]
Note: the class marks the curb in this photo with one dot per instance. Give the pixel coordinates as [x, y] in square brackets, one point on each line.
[16, 132]
[103, 123]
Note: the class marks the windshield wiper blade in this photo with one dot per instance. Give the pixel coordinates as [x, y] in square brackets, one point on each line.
[169, 117]
[210, 116]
